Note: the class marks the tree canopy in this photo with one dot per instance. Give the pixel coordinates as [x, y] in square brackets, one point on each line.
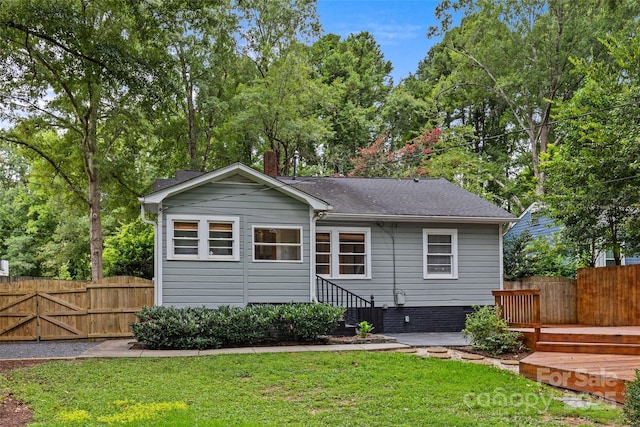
[517, 101]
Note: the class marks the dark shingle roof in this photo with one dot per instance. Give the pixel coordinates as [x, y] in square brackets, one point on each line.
[181, 176]
[433, 197]
[426, 197]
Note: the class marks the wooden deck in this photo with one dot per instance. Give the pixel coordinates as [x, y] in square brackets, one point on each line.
[595, 360]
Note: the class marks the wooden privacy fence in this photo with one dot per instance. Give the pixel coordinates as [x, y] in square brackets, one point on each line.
[609, 296]
[557, 297]
[58, 309]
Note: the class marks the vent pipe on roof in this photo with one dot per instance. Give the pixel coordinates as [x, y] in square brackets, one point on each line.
[270, 163]
[296, 157]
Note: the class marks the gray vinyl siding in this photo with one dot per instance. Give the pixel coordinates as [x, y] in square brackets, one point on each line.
[237, 283]
[478, 266]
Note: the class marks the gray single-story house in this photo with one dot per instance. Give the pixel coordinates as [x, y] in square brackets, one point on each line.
[424, 249]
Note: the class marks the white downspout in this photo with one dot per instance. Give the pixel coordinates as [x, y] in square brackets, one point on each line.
[501, 257]
[312, 256]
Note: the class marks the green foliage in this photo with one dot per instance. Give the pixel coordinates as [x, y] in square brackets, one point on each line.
[80, 76]
[516, 259]
[101, 97]
[593, 173]
[524, 256]
[188, 328]
[632, 401]
[130, 251]
[489, 332]
[305, 322]
[358, 78]
[364, 328]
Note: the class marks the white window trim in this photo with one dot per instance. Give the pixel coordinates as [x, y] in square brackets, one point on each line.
[286, 227]
[454, 249]
[335, 251]
[203, 237]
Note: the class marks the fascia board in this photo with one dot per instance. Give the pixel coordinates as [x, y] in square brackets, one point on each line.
[418, 218]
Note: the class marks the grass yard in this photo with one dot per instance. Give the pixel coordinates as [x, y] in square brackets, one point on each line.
[346, 389]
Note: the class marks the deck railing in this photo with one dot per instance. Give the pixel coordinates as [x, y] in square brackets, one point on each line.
[357, 308]
[520, 308]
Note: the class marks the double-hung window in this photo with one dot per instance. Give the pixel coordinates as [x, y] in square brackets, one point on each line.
[343, 252]
[200, 237]
[440, 257]
[277, 243]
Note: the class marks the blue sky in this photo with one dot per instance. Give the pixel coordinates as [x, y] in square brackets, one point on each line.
[399, 27]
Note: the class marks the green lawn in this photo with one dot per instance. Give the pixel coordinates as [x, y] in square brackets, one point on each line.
[347, 389]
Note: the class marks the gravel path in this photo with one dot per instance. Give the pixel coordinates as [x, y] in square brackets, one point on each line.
[44, 349]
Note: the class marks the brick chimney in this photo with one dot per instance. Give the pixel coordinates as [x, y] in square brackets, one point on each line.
[270, 163]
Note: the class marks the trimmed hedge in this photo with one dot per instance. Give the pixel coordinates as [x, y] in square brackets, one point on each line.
[202, 328]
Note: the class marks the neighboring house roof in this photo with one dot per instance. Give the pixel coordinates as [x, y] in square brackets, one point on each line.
[433, 199]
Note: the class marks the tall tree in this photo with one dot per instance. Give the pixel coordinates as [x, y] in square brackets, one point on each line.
[275, 107]
[75, 67]
[282, 108]
[594, 174]
[360, 79]
[203, 71]
[519, 52]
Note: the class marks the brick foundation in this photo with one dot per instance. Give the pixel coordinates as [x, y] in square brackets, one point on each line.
[425, 319]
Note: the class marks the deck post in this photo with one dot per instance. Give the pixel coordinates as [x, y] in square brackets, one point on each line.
[536, 319]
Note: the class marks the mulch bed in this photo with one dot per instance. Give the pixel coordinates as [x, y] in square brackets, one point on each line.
[507, 356]
[14, 413]
[324, 340]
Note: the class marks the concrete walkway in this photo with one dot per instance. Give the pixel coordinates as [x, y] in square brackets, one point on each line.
[125, 348]
[428, 339]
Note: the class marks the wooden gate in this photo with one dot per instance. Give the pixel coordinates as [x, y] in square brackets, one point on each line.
[58, 309]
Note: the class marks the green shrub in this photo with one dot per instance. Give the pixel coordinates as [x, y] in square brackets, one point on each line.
[200, 328]
[305, 322]
[364, 328]
[632, 402]
[176, 328]
[242, 326]
[489, 332]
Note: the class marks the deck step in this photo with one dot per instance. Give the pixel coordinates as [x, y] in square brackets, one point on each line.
[590, 338]
[597, 374]
[588, 347]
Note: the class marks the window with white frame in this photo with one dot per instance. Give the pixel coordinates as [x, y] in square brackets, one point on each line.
[440, 258]
[343, 252]
[200, 237]
[277, 243]
[323, 253]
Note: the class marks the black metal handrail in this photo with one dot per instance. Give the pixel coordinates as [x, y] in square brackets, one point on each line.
[357, 308]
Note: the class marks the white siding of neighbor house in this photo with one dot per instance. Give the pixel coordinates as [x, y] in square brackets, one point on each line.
[479, 269]
[237, 283]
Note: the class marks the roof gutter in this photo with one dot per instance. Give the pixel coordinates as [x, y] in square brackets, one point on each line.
[420, 218]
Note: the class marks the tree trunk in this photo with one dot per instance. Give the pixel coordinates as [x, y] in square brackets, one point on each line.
[95, 222]
[93, 175]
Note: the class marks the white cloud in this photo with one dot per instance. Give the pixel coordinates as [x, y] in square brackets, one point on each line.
[394, 33]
